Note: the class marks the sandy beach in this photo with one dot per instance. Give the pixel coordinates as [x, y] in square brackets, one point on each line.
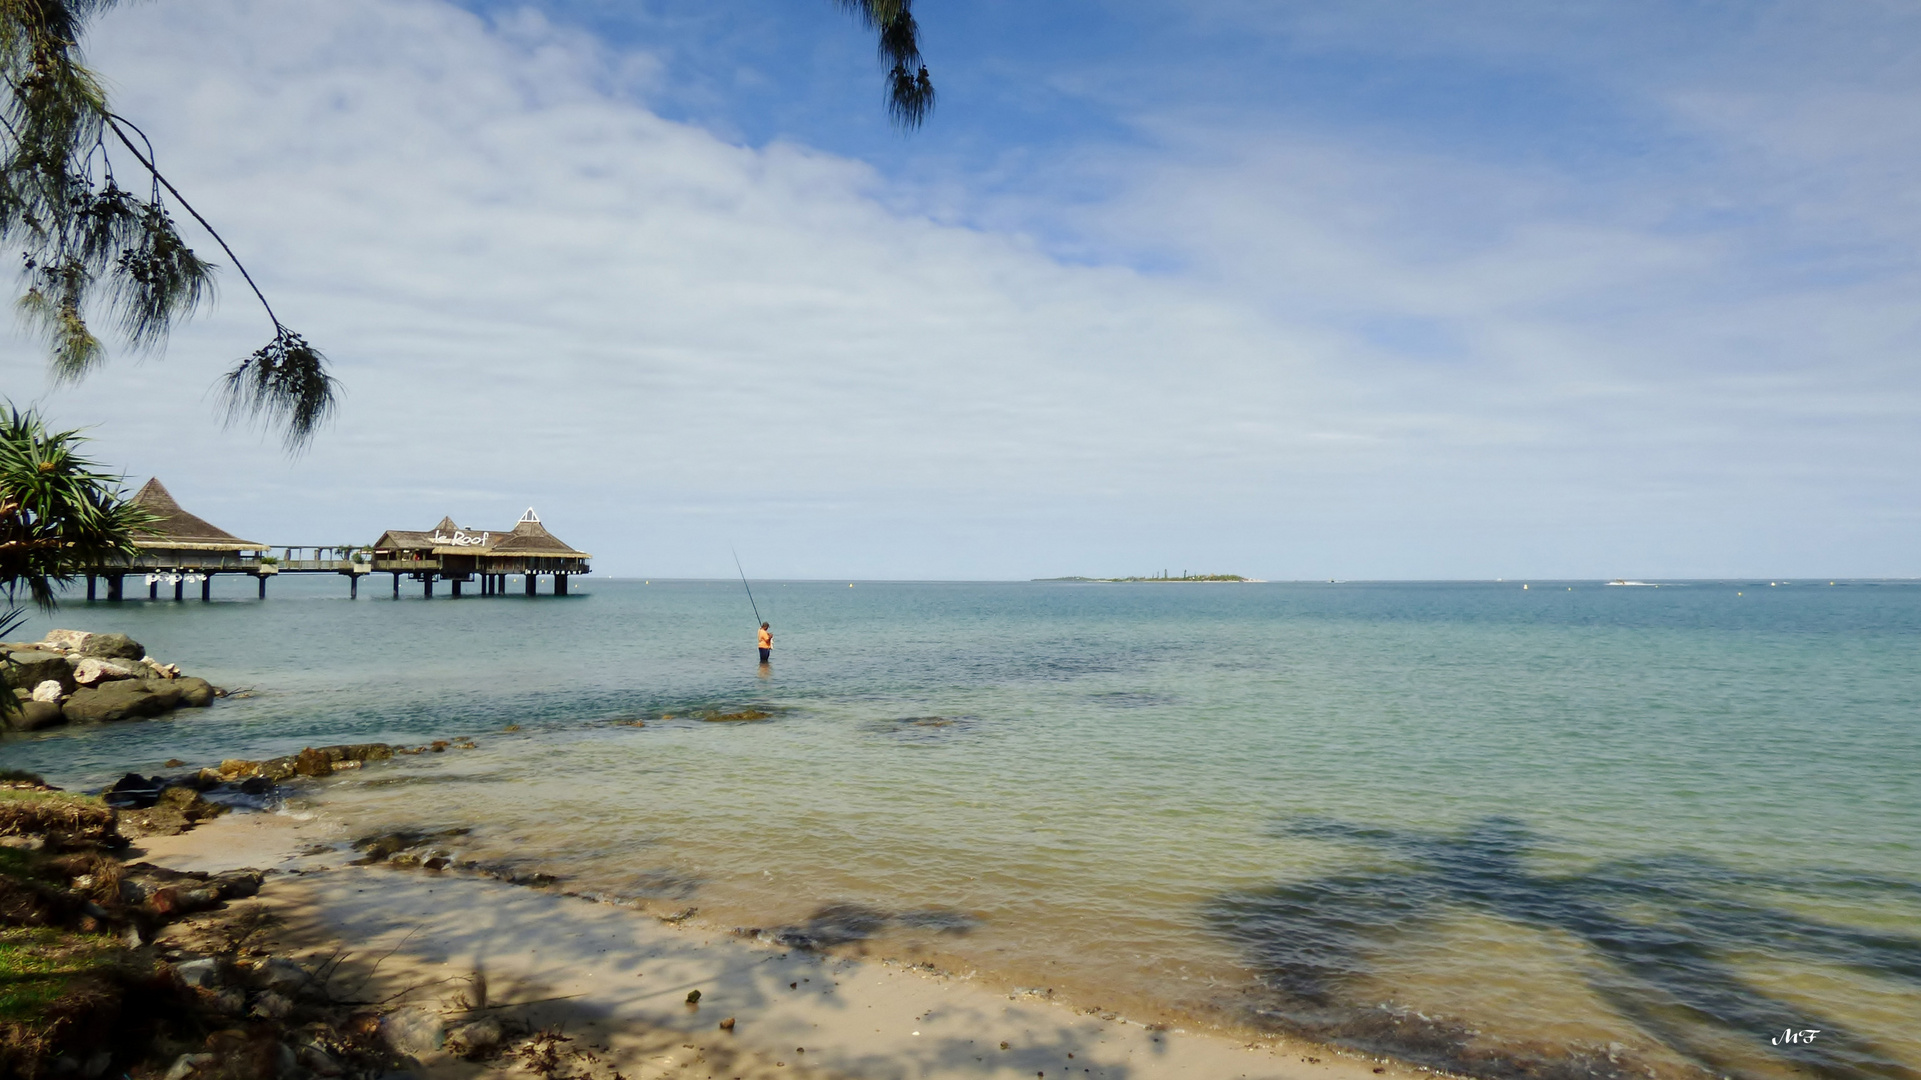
[616, 982]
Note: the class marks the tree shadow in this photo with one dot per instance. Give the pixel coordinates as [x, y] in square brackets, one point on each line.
[1666, 930]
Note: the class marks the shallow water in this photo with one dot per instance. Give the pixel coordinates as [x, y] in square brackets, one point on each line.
[1571, 830]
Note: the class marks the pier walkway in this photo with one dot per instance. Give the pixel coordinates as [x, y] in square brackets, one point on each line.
[180, 549]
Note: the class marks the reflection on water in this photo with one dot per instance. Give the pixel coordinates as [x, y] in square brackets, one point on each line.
[1672, 932]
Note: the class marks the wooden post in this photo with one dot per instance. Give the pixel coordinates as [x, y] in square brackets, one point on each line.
[427, 580]
[531, 579]
[114, 582]
[396, 584]
[206, 588]
[353, 586]
[153, 589]
[455, 582]
[180, 589]
[89, 588]
[560, 584]
[263, 586]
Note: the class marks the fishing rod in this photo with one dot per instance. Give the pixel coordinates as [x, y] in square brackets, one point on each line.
[744, 585]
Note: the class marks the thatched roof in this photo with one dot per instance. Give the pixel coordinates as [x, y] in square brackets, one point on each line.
[177, 529]
[527, 537]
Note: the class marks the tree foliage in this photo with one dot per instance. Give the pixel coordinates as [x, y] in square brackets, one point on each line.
[59, 514]
[91, 247]
[910, 93]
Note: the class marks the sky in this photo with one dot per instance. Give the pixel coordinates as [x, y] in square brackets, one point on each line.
[1298, 290]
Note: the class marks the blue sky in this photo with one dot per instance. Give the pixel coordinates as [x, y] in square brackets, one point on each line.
[1296, 290]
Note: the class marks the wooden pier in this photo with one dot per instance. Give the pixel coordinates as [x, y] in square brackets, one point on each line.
[180, 549]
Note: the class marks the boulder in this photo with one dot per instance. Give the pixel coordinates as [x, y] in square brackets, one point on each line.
[174, 811]
[28, 668]
[194, 693]
[66, 639]
[92, 670]
[122, 699]
[413, 1030]
[474, 1039]
[112, 647]
[311, 762]
[50, 690]
[34, 715]
[166, 691]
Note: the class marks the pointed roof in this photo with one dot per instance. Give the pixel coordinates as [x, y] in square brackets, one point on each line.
[527, 537]
[175, 528]
[530, 537]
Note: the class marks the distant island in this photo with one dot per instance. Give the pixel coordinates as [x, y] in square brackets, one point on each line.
[1162, 576]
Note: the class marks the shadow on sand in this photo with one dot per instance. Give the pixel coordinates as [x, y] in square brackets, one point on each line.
[1665, 930]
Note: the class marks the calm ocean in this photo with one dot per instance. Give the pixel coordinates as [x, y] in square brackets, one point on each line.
[1567, 830]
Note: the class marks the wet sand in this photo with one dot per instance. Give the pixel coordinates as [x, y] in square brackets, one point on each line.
[617, 978]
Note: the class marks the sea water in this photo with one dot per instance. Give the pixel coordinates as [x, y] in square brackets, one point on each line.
[1571, 829]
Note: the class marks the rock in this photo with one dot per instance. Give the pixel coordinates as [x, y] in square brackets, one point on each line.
[164, 691]
[27, 668]
[280, 768]
[51, 690]
[240, 884]
[66, 639]
[413, 1030]
[475, 1039]
[693, 997]
[272, 1006]
[311, 762]
[186, 1065]
[318, 1061]
[279, 974]
[133, 792]
[173, 811]
[183, 900]
[727, 1024]
[122, 699]
[203, 973]
[112, 647]
[195, 693]
[93, 670]
[34, 715]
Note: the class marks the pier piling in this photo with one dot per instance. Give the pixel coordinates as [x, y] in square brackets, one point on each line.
[263, 585]
[153, 589]
[114, 582]
[206, 589]
[89, 588]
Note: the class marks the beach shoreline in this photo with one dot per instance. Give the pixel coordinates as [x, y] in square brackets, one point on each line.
[616, 979]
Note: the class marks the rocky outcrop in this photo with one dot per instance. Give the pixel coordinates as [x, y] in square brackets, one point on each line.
[93, 678]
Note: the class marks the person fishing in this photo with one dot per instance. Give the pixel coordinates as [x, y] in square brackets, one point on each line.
[766, 632]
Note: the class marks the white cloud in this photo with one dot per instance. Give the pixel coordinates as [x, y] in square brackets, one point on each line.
[537, 291]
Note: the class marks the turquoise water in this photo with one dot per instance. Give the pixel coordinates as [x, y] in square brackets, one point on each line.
[1567, 830]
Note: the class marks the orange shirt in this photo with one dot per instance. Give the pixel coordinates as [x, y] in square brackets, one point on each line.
[766, 639]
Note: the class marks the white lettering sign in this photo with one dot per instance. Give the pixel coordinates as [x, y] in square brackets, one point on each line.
[460, 539]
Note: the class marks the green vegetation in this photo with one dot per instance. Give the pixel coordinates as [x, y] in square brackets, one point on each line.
[44, 971]
[58, 515]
